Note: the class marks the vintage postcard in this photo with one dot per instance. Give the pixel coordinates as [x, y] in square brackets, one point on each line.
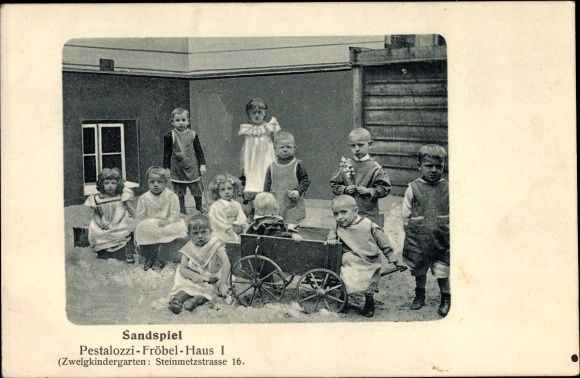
[136, 139]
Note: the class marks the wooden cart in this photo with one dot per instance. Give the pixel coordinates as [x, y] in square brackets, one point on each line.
[260, 271]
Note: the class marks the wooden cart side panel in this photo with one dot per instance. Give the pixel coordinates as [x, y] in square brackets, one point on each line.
[293, 257]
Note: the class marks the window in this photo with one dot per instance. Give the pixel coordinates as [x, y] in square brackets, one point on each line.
[105, 145]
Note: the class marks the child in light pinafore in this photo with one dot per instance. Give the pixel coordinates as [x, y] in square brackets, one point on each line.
[183, 155]
[287, 179]
[225, 213]
[158, 217]
[426, 222]
[112, 223]
[257, 151]
[203, 270]
[362, 240]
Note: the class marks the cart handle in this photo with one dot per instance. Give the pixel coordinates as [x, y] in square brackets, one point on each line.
[387, 272]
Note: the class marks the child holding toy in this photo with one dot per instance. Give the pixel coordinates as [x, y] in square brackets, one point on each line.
[361, 177]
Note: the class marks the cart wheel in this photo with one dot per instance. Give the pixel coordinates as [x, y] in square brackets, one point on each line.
[256, 279]
[321, 288]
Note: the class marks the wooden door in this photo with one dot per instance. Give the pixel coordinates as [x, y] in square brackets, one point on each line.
[401, 98]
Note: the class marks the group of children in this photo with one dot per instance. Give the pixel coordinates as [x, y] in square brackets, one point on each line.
[274, 182]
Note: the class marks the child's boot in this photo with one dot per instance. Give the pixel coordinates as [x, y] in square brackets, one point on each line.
[419, 300]
[182, 208]
[445, 304]
[193, 302]
[198, 204]
[175, 306]
[369, 309]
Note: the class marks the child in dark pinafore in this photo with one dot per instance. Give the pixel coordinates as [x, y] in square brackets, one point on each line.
[361, 177]
[426, 223]
[183, 155]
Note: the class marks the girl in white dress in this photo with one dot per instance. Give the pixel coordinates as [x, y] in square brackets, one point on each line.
[257, 150]
[158, 218]
[226, 214]
[112, 223]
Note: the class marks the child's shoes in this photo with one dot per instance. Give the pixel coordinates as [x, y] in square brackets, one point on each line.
[369, 309]
[158, 265]
[148, 263]
[445, 304]
[419, 300]
[193, 302]
[175, 306]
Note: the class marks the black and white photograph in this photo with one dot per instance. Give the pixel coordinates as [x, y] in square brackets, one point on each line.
[268, 189]
[308, 120]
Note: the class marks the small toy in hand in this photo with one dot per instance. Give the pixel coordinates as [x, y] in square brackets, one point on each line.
[347, 170]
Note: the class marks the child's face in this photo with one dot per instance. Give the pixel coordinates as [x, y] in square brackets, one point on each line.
[110, 186]
[344, 213]
[431, 169]
[156, 183]
[359, 146]
[200, 236]
[257, 115]
[285, 148]
[226, 191]
[180, 122]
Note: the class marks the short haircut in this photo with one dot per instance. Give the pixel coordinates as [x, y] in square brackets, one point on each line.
[284, 135]
[214, 186]
[359, 132]
[265, 204]
[198, 222]
[343, 198]
[160, 171]
[433, 151]
[110, 174]
[256, 103]
[179, 111]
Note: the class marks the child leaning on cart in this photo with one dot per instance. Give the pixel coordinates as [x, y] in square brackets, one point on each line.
[362, 242]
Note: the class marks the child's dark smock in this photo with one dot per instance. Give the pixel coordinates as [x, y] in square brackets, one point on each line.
[370, 174]
[269, 225]
[427, 225]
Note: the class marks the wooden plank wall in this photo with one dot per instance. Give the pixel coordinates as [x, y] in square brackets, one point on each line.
[404, 107]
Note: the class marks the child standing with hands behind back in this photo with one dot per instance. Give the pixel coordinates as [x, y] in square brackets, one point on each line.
[258, 150]
[362, 177]
[287, 179]
[183, 155]
[426, 223]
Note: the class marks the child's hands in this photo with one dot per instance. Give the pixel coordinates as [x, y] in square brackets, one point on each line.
[104, 226]
[293, 194]
[332, 241]
[202, 170]
[163, 223]
[351, 189]
[362, 190]
[297, 238]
